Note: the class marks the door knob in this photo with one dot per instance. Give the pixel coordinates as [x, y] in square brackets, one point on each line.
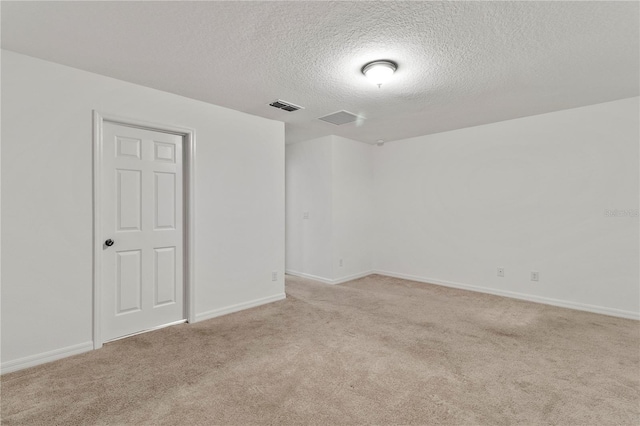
[108, 243]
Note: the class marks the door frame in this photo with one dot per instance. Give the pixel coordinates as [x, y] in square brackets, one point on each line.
[188, 182]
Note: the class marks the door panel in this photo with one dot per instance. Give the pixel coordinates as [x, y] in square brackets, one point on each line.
[165, 275]
[128, 281]
[142, 212]
[128, 147]
[129, 199]
[165, 206]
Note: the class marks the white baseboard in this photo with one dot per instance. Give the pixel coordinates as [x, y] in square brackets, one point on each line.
[42, 358]
[238, 307]
[329, 280]
[351, 277]
[33, 360]
[311, 277]
[522, 296]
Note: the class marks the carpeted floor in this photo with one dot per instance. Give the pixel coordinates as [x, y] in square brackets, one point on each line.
[374, 350]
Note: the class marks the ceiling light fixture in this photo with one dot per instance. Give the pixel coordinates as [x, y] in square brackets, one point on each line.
[379, 72]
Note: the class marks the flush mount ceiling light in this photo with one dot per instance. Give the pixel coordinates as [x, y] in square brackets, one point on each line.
[379, 71]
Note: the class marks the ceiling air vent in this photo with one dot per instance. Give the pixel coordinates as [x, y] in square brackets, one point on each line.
[287, 106]
[341, 117]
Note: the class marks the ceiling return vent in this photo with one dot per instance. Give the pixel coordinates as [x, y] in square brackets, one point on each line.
[341, 117]
[287, 106]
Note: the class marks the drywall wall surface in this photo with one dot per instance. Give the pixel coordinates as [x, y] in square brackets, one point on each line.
[329, 203]
[308, 208]
[47, 202]
[352, 192]
[555, 193]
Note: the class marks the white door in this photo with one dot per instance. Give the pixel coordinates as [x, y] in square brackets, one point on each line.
[142, 250]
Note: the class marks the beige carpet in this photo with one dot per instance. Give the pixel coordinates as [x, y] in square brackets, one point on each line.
[375, 350]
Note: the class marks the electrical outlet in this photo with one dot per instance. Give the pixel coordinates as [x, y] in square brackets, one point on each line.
[535, 276]
[501, 272]
[274, 276]
[305, 215]
[341, 262]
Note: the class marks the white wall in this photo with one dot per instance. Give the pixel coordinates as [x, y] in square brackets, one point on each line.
[330, 178]
[308, 189]
[47, 205]
[352, 214]
[528, 195]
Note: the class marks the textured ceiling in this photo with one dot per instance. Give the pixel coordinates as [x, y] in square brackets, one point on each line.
[460, 63]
